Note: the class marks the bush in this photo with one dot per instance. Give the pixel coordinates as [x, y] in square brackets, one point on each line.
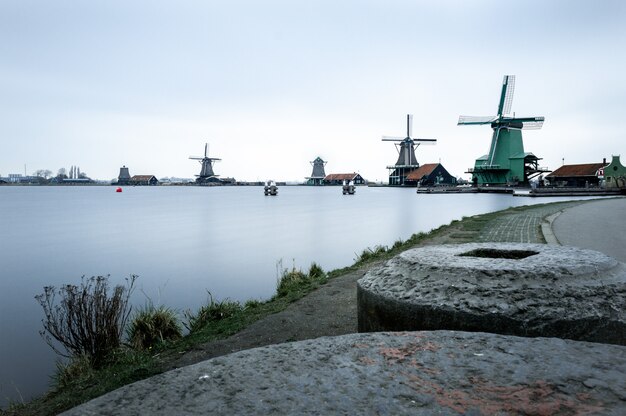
[153, 325]
[86, 321]
[211, 312]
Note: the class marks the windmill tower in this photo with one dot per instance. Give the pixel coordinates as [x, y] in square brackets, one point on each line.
[206, 173]
[124, 176]
[506, 163]
[406, 153]
[318, 174]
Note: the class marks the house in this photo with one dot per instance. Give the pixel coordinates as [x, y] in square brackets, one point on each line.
[615, 174]
[143, 180]
[576, 176]
[429, 174]
[339, 178]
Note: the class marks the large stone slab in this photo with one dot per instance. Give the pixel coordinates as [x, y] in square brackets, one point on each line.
[415, 373]
[532, 290]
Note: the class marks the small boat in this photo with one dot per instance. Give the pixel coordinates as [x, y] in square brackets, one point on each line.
[270, 188]
[348, 188]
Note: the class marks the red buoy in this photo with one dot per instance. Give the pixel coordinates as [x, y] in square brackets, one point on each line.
[118, 189]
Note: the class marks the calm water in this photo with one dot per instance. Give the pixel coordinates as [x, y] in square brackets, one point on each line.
[183, 241]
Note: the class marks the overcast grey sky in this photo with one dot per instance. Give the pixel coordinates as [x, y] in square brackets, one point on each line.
[273, 84]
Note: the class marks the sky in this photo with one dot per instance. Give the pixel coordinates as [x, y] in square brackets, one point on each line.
[271, 85]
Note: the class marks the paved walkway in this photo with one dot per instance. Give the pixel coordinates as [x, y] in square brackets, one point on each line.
[597, 225]
[523, 225]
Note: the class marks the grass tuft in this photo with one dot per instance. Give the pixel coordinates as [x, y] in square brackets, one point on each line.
[212, 312]
[152, 326]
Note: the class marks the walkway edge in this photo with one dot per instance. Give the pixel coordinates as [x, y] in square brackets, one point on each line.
[546, 228]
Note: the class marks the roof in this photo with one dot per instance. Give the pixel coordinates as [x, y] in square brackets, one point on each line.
[340, 176]
[142, 177]
[524, 156]
[424, 170]
[585, 169]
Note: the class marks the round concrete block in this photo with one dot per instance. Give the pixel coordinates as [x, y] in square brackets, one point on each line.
[415, 373]
[507, 288]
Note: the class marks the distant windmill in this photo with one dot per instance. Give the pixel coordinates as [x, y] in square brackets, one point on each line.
[206, 173]
[406, 153]
[506, 163]
[318, 174]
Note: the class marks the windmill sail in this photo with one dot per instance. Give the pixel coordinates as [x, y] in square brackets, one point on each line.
[467, 120]
[506, 97]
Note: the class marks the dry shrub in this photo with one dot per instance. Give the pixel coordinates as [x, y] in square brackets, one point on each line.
[86, 320]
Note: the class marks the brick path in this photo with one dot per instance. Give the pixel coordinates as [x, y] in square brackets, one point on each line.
[522, 225]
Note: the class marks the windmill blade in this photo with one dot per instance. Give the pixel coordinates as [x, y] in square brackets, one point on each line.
[506, 96]
[427, 141]
[474, 120]
[206, 150]
[409, 125]
[533, 125]
[196, 157]
[392, 139]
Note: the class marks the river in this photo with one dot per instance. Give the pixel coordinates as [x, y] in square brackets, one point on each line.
[185, 241]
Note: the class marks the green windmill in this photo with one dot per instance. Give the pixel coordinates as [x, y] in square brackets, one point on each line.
[506, 163]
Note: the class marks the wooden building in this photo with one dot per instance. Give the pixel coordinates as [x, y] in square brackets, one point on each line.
[339, 178]
[615, 174]
[143, 180]
[576, 176]
[430, 174]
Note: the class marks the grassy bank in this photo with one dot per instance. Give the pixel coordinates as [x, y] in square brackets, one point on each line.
[79, 382]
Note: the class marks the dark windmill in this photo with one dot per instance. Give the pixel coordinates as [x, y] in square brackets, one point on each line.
[506, 163]
[318, 174]
[406, 154]
[206, 173]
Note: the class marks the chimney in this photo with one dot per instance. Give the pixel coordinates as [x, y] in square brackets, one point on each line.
[604, 160]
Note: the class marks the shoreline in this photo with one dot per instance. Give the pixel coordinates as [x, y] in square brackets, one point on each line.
[267, 325]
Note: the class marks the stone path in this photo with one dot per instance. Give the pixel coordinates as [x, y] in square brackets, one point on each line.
[522, 226]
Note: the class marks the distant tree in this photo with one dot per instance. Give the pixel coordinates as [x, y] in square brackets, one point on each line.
[62, 173]
[43, 173]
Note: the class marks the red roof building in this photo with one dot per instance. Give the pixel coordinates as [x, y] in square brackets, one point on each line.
[429, 174]
[578, 176]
